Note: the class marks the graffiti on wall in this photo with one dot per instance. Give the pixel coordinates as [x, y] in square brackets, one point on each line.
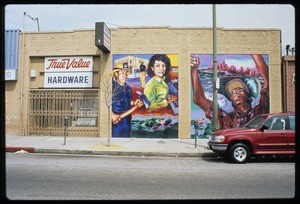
[145, 95]
[243, 92]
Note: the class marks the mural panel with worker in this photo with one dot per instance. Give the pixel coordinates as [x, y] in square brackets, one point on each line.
[243, 92]
[150, 95]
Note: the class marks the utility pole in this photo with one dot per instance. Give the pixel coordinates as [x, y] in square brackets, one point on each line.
[215, 70]
[22, 128]
[34, 19]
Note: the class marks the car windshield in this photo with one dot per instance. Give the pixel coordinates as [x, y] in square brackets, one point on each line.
[255, 122]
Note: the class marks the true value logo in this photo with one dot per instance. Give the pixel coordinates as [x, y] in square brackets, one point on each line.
[68, 64]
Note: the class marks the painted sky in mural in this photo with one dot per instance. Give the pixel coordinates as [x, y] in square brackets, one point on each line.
[156, 85]
[243, 92]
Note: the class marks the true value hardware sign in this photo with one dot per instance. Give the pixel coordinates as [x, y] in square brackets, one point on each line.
[68, 72]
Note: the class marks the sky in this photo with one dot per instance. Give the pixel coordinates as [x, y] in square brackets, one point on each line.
[56, 17]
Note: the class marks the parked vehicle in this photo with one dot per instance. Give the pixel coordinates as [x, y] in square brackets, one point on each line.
[265, 134]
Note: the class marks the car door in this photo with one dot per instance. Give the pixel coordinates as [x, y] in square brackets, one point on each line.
[291, 132]
[275, 137]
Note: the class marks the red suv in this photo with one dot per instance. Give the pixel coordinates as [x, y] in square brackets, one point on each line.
[265, 134]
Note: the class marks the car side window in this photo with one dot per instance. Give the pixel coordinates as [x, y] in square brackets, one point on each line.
[292, 122]
[276, 123]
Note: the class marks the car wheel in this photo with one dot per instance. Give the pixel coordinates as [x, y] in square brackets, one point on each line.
[239, 153]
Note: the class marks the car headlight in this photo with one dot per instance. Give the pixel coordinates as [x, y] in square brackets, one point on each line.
[219, 138]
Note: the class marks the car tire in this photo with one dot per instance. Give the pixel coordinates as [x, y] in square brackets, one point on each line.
[238, 153]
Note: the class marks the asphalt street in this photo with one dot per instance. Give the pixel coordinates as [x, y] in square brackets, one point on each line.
[87, 177]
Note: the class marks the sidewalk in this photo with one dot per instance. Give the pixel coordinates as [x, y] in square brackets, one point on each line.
[118, 146]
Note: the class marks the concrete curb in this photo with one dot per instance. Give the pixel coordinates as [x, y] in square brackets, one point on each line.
[16, 149]
[123, 153]
[109, 153]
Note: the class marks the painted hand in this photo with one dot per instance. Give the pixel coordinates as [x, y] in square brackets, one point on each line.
[138, 103]
[115, 118]
[195, 61]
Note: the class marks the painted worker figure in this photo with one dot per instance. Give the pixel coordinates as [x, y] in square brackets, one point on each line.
[239, 94]
[122, 104]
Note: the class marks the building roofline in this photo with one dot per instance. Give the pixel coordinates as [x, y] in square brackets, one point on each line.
[156, 27]
[191, 27]
[289, 58]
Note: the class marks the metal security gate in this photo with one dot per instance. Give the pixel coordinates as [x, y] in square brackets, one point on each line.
[48, 108]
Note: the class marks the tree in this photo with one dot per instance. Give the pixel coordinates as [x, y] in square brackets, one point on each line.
[109, 94]
[106, 87]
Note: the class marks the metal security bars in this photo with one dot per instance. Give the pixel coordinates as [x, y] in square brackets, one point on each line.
[48, 108]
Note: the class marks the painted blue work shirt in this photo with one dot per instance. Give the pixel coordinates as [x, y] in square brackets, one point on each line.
[121, 103]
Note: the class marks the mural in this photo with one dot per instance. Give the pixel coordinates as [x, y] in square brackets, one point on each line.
[243, 93]
[145, 95]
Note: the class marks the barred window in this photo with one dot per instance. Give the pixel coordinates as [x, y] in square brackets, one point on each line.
[48, 108]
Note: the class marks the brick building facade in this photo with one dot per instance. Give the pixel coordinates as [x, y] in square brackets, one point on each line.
[35, 108]
[289, 83]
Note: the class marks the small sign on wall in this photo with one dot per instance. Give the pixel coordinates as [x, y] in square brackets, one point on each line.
[11, 74]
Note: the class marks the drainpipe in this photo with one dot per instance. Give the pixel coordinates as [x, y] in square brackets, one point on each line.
[22, 81]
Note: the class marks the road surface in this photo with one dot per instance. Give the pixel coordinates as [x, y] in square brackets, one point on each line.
[80, 177]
